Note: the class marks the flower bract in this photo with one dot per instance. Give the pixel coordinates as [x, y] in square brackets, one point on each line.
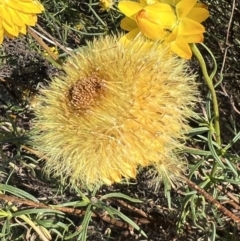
[117, 109]
[177, 22]
[16, 15]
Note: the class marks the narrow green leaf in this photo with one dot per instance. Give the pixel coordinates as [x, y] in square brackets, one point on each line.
[213, 59]
[232, 181]
[17, 192]
[233, 141]
[36, 211]
[82, 203]
[114, 211]
[197, 131]
[85, 223]
[232, 167]
[213, 151]
[195, 167]
[213, 231]
[195, 151]
[120, 195]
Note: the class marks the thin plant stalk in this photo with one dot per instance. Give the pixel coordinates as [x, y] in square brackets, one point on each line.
[54, 58]
[209, 82]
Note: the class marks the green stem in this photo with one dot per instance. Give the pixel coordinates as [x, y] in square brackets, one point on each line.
[209, 82]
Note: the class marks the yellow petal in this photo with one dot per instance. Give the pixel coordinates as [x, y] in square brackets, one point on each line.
[190, 27]
[28, 19]
[184, 7]
[8, 35]
[23, 29]
[200, 5]
[170, 2]
[129, 8]
[12, 29]
[1, 35]
[198, 14]
[127, 38]
[15, 17]
[148, 2]
[181, 48]
[161, 14]
[4, 13]
[128, 24]
[26, 7]
[148, 28]
[197, 38]
[172, 36]
[143, 2]
[22, 19]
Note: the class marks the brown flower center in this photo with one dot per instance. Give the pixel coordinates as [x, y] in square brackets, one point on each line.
[86, 93]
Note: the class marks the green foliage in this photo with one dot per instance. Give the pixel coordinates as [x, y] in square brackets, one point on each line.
[214, 167]
[74, 22]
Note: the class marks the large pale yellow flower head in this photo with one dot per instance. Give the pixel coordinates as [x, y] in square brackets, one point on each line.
[16, 15]
[117, 109]
[176, 22]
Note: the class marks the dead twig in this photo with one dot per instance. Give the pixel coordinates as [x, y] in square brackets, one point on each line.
[40, 41]
[77, 212]
[212, 200]
[56, 43]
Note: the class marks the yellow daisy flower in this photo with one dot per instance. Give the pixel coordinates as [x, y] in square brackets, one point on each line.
[151, 18]
[177, 22]
[53, 49]
[188, 28]
[116, 109]
[106, 4]
[16, 15]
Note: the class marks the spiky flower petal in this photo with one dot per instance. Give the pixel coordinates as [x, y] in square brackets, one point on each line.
[116, 109]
